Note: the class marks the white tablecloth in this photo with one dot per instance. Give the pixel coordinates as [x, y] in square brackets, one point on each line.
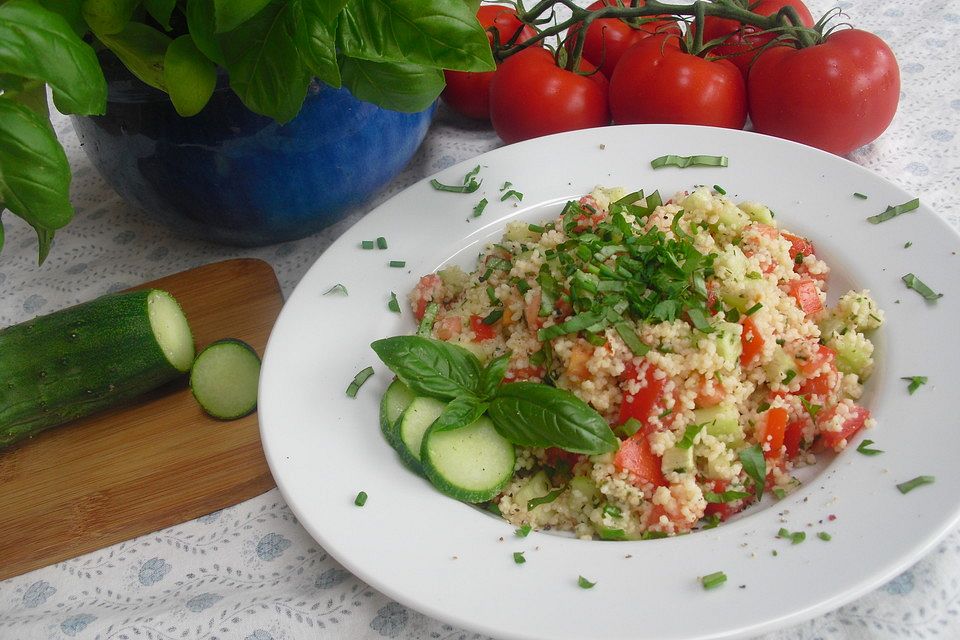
[251, 572]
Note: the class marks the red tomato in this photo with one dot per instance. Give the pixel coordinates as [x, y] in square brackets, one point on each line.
[722, 509]
[771, 431]
[556, 454]
[448, 327]
[710, 392]
[608, 38]
[481, 330]
[824, 355]
[792, 438]
[799, 246]
[805, 292]
[853, 423]
[636, 457]
[531, 96]
[648, 402]
[751, 342]
[842, 93]
[468, 92]
[743, 42]
[426, 291]
[524, 373]
[656, 82]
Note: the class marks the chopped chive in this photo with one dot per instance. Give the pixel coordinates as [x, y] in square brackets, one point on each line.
[535, 228]
[358, 381]
[523, 531]
[630, 338]
[653, 535]
[795, 537]
[865, 449]
[780, 493]
[426, 322]
[477, 210]
[913, 282]
[366, 244]
[752, 310]
[398, 263]
[471, 174]
[492, 296]
[612, 511]
[583, 583]
[763, 406]
[907, 244]
[713, 521]
[689, 161]
[393, 305]
[595, 339]
[894, 211]
[523, 286]
[724, 496]
[915, 383]
[857, 194]
[511, 193]
[713, 580]
[630, 427]
[719, 189]
[337, 288]
[754, 275]
[506, 185]
[469, 187]
[826, 537]
[607, 533]
[493, 317]
[789, 376]
[533, 503]
[381, 243]
[361, 499]
[919, 481]
[518, 557]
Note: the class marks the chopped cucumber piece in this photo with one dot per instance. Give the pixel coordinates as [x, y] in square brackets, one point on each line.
[585, 486]
[536, 486]
[676, 459]
[777, 370]
[171, 330]
[757, 212]
[732, 217]
[414, 422]
[728, 341]
[722, 421]
[225, 377]
[395, 400]
[472, 463]
[854, 353]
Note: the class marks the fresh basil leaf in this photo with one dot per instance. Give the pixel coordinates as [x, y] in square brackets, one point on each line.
[430, 367]
[70, 11]
[34, 173]
[537, 415]
[189, 76]
[202, 25]
[230, 14]
[459, 412]
[724, 496]
[321, 52]
[1, 227]
[44, 242]
[262, 56]
[329, 10]
[755, 466]
[141, 49]
[39, 44]
[392, 85]
[108, 16]
[492, 375]
[160, 10]
[432, 33]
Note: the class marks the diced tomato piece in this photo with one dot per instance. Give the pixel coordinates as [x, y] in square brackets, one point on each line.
[710, 392]
[646, 403]
[798, 245]
[524, 373]
[580, 355]
[588, 220]
[636, 457]
[426, 292]
[792, 438]
[481, 330]
[556, 454]
[532, 312]
[822, 385]
[751, 341]
[824, 355]
[854, 422]
[771, 430]
[712, 306]
[448, 327]
[805, 292]
[723, 509]
[763, 229]
[564, 309]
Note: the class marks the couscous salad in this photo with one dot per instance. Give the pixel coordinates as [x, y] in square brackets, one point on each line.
[631, 369]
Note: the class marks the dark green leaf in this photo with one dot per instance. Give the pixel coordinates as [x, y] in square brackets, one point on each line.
[71, 12]
[160, 10]
[397, 86]
[108, 16]
[537, 415]
[915, 383]
[584, 583]
[202, 25]
[39, 44]
[432, 33]
[755, 466]
[44, 242]
[321, 30]
[689, 435]
[142, 50]
[430, 367]
[189, 76]
[230, 14]
[913, 282]
[492, 375]
[518, 557]
[523, 531]
[459, 412]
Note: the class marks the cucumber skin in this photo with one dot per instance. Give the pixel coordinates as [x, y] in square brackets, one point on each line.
[74, 362]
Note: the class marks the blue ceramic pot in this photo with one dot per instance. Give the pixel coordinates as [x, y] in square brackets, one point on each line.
[234, 177]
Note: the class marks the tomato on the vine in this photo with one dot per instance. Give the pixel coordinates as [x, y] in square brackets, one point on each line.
[468, 92]
[656, 82]
[743, 41]
[608, 38]
[531, 96]
[837, 95]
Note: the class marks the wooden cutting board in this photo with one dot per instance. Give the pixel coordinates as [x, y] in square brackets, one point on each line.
[148, 465]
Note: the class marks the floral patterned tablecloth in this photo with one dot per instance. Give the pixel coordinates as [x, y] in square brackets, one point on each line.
[251, 572]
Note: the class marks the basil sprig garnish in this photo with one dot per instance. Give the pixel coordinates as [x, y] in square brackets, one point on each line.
[755, 466]
[525, 413]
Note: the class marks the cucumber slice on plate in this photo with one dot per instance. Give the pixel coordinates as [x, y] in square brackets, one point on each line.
[472, 463]
[224, 379]
[395, 401]
[414, 422]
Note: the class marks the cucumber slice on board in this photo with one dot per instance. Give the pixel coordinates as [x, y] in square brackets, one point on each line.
[395, 400]
[224, 379]
[472, 463]
[414, 422]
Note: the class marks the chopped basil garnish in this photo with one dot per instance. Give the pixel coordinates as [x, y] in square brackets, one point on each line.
[865, 449]
[754, 275]
[689, 435]
[518, 557]
[606, 533]
[469, 185]
[366, 244]
[789, 376]
[894, 211]
[523, 531]
[913, 282]
[381, 243]
[399, 264]
[337, 288]
[630, 338]
[780, 493]
[511, 194]
[506, 185]
[763, 406]
[612, 511]
[477, 210]
[533, 503]
[812, 409]
[859, 195]
[493, 317]
[713, 580]
[358, 381]
[755, 466]
[915, 382]
[630, 427]
[725, 496]
[689, 161]
[795, 537]
[826, 537]
[907, 244]
[361, 499]
[713, 521]
[584, 583]
[536, 228]
[919, 481]
[393, 305]
[653, 535]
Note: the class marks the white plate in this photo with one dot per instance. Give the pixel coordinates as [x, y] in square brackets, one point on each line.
[454, 562]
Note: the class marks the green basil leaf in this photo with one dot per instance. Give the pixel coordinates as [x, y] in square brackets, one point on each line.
[328, 10]
[34, 173]
[203, 30]
[141, 49]
[432, 33]
[1, 227]
[189, 76]
[392, 85]
[230, 14]
[160, 10]
[262, 56]
[492, 376]
[108, 16]
[70, 10]
[537, 415]
[755, 466]
[430, 367]
[44, 242]
[39, 44]
[459, 412]
[320, 54]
